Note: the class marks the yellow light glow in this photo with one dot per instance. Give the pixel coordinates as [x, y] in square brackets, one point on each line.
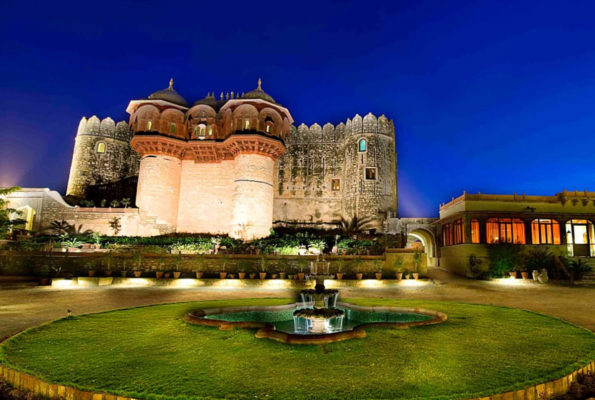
[64, 283]
[277, 283]
[229, 283]
[186, 283]
[413, 282]
[371, 283]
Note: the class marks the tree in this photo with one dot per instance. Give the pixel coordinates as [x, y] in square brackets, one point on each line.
[6, 212]
[354, 224]
[115, 225]
[61, 227]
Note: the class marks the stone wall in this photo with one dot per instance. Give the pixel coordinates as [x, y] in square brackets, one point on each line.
[91, 167]
[317, 156]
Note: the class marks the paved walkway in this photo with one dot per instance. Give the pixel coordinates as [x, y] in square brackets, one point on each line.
[22, 308]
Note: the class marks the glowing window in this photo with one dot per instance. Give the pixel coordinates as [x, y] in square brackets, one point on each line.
[474, 231]
[268, 130]
[505, 230]
[172, 128]
[447, 235]
[362, 145]
[336, 185]
[545, 231]
[370, 174]
[458, 232]
[247, 124]
[101, 147]
[210, 131]
[150, 125]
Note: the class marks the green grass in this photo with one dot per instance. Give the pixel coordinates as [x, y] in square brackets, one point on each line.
[149, 353]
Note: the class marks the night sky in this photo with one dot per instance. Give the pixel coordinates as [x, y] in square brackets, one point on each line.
[489, 96]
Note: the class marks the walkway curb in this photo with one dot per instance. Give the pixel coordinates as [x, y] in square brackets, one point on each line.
[52, 391]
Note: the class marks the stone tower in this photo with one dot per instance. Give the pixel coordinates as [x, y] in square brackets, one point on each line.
[102, 155]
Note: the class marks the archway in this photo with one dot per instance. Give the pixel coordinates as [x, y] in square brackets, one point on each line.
[426, 238]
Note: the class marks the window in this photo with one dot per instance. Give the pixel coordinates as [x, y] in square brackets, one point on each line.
[101, 147]
[458, 232]
[580, 238]
[474, 231]
[172, 128]
[505, 230]
[370, 174]
[545, 231]
[447, 235]
[150, 126]
[336, 185]
[210, 131]
[362, 145]
[268, 129]
[247, 124]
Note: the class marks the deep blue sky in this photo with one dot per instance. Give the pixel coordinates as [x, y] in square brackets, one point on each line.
[491, 96]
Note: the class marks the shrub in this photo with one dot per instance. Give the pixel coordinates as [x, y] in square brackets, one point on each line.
[504, 258]
[538, 258]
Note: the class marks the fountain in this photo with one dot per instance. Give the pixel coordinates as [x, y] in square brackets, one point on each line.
[319, 318]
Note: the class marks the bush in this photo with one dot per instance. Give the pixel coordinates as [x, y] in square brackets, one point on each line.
[504, 258]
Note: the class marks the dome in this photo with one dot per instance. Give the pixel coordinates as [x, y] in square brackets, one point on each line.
[210, 100]
[169, 95]
[258, 93]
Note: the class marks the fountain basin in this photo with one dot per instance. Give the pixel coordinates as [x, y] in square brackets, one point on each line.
[277, 323]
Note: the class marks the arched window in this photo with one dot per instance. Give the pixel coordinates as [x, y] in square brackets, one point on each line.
[201, 131]
[545, 231]
[247, 124]
[101, 147]
[362, 145]
[268, 129]
[150, 126]
[458, 232]
[505, 230]
[172, 128]
[210, 131]
[474, 231]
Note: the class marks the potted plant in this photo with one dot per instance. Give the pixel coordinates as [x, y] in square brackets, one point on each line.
[407, 273]
[417, 258]
[264, 263]
[283, 267]
[72, 244]
[178, 262]
[302, 250]
[357, 263]
[301, 264]
[125, 265]
[222, 271]
[96, 237]
[513, 273]
[243, 265]
[90, 267]
[577, 269]
[44, 275]
[398, 264]
[335, 249]
[202, 263]
[137, 260]
[317, 246]
[340, 266]
[378, 269]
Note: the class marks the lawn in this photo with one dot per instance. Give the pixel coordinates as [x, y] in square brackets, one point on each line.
[149, 353]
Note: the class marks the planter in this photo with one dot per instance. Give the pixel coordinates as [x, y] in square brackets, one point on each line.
[199, 274]
[290, 276]
[367, 252]
[512, 274]
[177, 275]
[44, 281]
[107, 273]
[301, 276]
[415, 275]
[137, 274]
[159, 274]
[91, 273]
[222, 275]
[231, 276]
[274, 276]
[167, 275]
[262, 275]
[578, 275]
[525, 275]
[399, 276]
[123, 274]
[378, 275]
[359, 276]
[241, 275]
[340, 276]
[281, 275]
[407, 276]
[257, 252]
[72, 249]
[302, 252]
[97, 247]
[252, 275]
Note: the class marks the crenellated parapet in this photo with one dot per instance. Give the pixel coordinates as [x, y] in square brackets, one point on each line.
[106, 128]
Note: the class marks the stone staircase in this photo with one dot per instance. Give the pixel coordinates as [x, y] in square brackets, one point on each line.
[589, 277]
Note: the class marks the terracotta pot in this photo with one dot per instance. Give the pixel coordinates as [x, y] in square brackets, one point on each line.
[407, 276]
[262, 275]
[399, 276]
[242, 275]
[137, 274]
[167, 275]
[281, 275]
[257, 252]
[44, 281]
[123, 274]
[301, 276]
[359, 276]
[525, 274]
[339, 276]
[107, 273]
[378, 276]
[199, 274]
[91, 273]
[252, 275]
[159, 274]
[97, 247]
[368, 252]
[291, 276]
[72, 249]
[177, 275]
[512, 274]
[222, 275]
[274, 276]
[415, 275]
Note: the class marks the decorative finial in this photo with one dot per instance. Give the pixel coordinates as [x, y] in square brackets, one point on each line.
[221, 95]
[171, 83]
[259, 83]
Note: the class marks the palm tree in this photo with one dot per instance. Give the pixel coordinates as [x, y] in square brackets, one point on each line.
[60, 226]
[354, 224]
[577, 268]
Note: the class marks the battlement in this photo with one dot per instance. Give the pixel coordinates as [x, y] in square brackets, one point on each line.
[105, 128]
[334, 134]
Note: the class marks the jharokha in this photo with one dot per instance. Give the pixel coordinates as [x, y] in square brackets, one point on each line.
[233, 165]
